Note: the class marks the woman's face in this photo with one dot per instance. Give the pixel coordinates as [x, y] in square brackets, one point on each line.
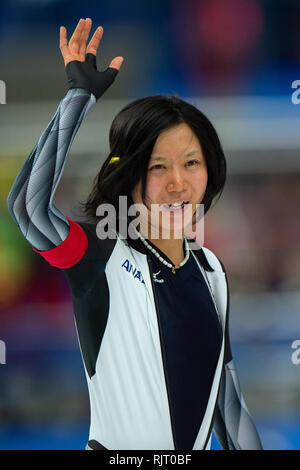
[177, 172]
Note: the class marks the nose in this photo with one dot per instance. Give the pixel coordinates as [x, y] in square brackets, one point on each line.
[176, 182]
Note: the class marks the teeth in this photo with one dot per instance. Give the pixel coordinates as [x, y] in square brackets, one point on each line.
[177, 204]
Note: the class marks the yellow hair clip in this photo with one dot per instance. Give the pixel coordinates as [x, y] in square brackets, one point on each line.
[114, 159]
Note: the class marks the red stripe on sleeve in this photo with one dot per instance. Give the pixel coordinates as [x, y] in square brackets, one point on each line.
[70, 251]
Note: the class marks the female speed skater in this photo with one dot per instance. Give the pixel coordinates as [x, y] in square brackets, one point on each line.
[151, 312]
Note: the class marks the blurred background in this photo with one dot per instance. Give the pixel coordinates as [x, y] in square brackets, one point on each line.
[236, 61]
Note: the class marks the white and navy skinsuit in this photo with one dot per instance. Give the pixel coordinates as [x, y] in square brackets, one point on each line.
[157, 357]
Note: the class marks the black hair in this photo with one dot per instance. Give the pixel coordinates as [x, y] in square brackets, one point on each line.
[132, 136]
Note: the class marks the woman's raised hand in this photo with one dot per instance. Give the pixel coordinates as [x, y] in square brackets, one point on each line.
[80, 60]
[76, 49]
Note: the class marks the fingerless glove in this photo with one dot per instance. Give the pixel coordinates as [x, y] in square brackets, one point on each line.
[85, 75]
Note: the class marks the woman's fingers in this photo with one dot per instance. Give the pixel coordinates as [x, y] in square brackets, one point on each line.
[76, 49]
[63, 45]
[95, 41]
[116, 62]
[74, 42]
[84, 37]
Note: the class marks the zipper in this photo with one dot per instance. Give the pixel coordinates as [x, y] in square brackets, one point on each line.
[162, 350]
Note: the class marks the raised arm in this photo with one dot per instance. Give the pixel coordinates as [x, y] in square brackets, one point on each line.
[30, 198]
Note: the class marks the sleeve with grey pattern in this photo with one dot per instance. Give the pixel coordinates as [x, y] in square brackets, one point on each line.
[30, 198]
[233, 424]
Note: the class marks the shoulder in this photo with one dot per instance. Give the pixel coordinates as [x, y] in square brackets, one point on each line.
[206, 257]
[96, 248]
[84, 272]
[213, 260]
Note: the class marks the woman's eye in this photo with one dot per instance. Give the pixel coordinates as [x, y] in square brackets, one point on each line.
[156, 167]
[189, 163]
[192, 162]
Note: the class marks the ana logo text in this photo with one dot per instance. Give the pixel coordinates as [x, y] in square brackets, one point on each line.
[131, 269]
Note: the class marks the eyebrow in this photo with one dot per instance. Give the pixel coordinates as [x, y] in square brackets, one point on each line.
[160, 157]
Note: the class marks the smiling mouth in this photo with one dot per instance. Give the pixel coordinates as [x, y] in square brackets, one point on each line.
[176, 205]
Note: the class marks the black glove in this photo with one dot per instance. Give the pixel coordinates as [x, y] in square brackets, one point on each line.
[85, 75]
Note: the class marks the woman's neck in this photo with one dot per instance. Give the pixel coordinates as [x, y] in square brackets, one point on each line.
[172, 248]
